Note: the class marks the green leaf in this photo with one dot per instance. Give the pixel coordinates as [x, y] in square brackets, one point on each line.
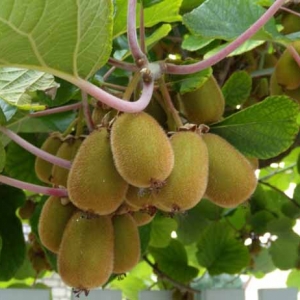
[145, 235]
[191, 225]
[293, 279]
[262, 263]
[172, 261]
[2, 157]
[260, 220]
[194, 43]
[17, 86]
[190, 82]
[262, 130]
[237, 88]
[284, 250]
[7, 110]
[226, 19]
[158, 34]
[166, 11]
[188, 5]
[11, 232]
[281, 227]
[220, 252]
[71, 37]
[161, 229]
[20, 163]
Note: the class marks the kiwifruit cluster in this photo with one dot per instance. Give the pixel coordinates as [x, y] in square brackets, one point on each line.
[122, 173]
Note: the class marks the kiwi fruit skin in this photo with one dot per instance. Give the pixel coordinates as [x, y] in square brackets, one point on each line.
[52, 222]
[142, 152]
[126, 243]
[187, 183]
[231, 179]
[94, 184]
[287, 71]
[43, 169]
[205, 105]
[142, 217]
[85, 258]
[140, 198]
[67, 150]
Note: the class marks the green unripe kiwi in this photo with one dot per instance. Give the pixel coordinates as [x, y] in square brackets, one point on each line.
[85, 258]
[142, 152]
[52, 222]
[43, 169]
[287, 70]
[291, 23]
[187, 183]
[94, 184]
[67, 150]
[231, 179]
[204, 105]
[126, 243]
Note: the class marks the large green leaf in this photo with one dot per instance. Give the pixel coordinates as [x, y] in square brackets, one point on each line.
[220, 252]
[263, 130]
[173, 261]
[227, 19]
[17, 86]
[293, 279]
[237, 88]
[11, 232]
[70, 37]
[165, 11]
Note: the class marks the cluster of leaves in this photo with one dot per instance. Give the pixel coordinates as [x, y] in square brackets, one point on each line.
[71, 41]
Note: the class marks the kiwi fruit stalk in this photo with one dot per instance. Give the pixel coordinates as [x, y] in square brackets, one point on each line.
[205, 105]
[231, 179]
[52, 222]
[126, 243]
[94, 184]
[85, 258]
[141, 150]
[43, 169]
[67, 151]
[187, 183]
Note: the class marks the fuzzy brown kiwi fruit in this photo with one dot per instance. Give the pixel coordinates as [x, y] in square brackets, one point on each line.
[287, 71]
[142, 152]
[187, 183]
[67, 151]
[52, 222]
[43, 169]
[142, 217]
[204, 105]
[126, 243]
[94, 184]
[139, 197]
[85, 258]
[231, 179]
[26, 211]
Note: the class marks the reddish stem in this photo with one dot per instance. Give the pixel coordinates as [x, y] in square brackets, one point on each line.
[57, 192]
[294, 54]
[142, 30]
[35, 150]
[56, 110]
[193, 68]
[86, 112]
[290, 11]
[123, 65]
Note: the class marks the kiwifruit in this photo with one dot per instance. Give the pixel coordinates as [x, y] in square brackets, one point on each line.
[157, 112]
[291, 23]
[142, 152]
[187, 183]
[287, 71]
[126, 243]
[26, 211]
[231, 179]
[139, 197]
[98, 114]
[142, 217]
[204, 105]
[43, 169]
[67, 150]
[94, 184]
[52, 222]
[85, 257]
[125, 208]
[254, 162]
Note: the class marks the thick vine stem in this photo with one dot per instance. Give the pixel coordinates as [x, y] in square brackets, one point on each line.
[57, 192]
[35, 150]
[123, 65]
[56, 110]
[290, 11]
[136, 51]
[196, 67]
[86, 111]
[114, 102]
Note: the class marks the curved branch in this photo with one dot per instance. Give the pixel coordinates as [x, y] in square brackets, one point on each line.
[193, 68]
[123, 65]
[112, 101]
[35, 150]
[57, 192]
[294, 54]
[134, 46]
[56, 110]
[86, 112]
